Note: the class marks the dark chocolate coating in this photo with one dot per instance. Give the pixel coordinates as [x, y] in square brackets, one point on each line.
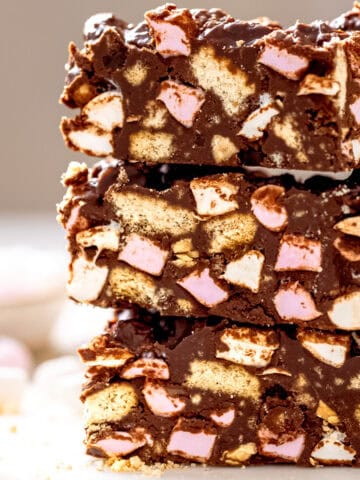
[287, 403]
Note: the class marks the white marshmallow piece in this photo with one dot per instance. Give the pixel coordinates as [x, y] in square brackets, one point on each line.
[328, 348]
[249, 347]
[331, 450]
[345, 311]
[254, 126]
[92, 141]
[349, 226]
[214, 197]
[246, 271]
[87, 280]
[105, 111]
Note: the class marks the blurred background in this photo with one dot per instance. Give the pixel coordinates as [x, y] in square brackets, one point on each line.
[34, 37]
[37, 324]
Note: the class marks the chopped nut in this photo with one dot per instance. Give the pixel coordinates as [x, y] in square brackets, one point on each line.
[240, 454]
[326, 413]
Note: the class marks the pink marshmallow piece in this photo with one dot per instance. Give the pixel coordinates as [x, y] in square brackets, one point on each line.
[160, 402]
[14, 354]
[293, 302]
[171, 28]
[299, 253]
[279, 59]
[290, 450]
[146, 367]
[225, 419]
[182, 102]
[194, 446]
[203, 287]
[355, 110]
[121, 443]
[266, 209]
[144, 254]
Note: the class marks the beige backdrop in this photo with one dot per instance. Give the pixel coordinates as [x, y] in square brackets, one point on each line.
[33, 40]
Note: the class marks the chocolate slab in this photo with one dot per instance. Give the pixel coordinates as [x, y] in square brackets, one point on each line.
[249, 249]
[212, 392]
[200, 87]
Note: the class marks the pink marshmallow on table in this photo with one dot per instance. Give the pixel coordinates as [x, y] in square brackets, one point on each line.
[266, 209]
[294, 302]
[170, 28]
[14, 354]
[279, 59]
[160, 402]
[183, 102]
[121, 443]
[146, 367]
[355, 110]
[225, 419]
[299, 253]
[194, 446]
[143, 254]
[288, 450]
[203, 287]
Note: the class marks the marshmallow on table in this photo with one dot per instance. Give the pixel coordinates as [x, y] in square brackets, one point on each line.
[15, 364]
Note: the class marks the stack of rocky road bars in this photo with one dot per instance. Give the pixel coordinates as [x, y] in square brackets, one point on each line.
[223, 225]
